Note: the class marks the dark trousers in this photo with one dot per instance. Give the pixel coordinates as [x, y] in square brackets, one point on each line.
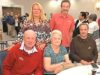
[67, 49]
[17, 29]
[5, 28]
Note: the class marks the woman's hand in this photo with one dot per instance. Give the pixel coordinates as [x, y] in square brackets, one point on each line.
[59, 69]
[68, 65]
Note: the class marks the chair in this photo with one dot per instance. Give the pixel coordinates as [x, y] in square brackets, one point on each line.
[3, 44]
[2, 57]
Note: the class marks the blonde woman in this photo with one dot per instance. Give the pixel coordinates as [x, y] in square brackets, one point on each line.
[37, 22]
[56, 56]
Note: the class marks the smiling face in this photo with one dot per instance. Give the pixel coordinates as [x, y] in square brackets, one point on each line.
[56, 39]
[29, 39]
[83, 30]
[65, 6]
[36, 11]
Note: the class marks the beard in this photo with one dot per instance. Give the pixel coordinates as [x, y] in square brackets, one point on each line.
[65, 11]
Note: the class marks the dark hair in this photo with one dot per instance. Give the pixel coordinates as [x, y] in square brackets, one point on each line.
[82, 24]
[65, 1]
[93, 17]
[83, 14]
[27, 14]
[87, 13]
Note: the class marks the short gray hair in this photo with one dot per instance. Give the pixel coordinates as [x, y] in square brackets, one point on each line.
[30, 31]
[93, 17]
[82, 24]
[56, 32]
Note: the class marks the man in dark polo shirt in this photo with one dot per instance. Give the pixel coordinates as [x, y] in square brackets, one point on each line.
[83, 48]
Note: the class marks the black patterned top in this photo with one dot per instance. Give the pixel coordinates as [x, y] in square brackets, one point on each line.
[42, 29]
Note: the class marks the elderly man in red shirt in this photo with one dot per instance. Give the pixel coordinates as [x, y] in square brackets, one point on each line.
[63, 22]
[24, 58]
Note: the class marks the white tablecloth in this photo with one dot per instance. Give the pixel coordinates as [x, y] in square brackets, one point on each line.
[79, 70]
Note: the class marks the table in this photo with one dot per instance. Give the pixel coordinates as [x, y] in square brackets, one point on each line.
[79, 70]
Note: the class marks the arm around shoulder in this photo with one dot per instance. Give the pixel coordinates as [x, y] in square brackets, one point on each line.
[8, 63]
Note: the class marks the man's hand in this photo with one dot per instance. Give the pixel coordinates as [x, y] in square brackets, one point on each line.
[91, 62]
[84, 62]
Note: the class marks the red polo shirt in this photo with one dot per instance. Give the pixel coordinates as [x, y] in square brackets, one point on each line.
[65, 25]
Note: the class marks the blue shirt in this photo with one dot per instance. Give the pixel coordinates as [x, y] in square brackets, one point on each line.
[55, 58]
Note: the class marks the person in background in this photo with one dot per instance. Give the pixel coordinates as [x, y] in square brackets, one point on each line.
[5, 27]
[83, 48]
[64, 22]
[99, 34]
[24, 58]
[17, 24]
[87, 17]
[24, 17]
[55, 55]
[10, 23]
[94, 29]
[50, 17]
[82, 19]
[99, 23]
[93, 25]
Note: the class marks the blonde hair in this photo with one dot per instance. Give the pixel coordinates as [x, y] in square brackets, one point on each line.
[42, 16]
[56, 32]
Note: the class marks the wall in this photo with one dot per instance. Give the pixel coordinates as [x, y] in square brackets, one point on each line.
[76, 6]
[83, 5]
